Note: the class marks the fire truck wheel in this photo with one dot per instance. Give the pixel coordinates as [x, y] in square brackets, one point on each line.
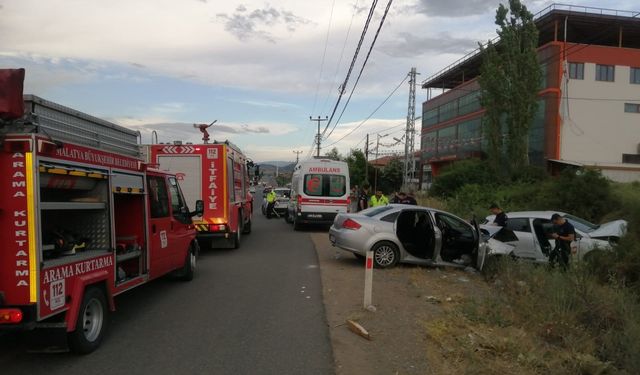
[92, 322]
[189, 265]
[238, 233]
[247, 227]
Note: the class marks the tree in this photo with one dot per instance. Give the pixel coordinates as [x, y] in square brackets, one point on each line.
[510, 79]
[357, 168]
[390, 178]
[333, 154]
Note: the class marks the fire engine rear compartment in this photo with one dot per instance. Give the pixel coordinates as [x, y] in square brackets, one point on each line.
[76, 218]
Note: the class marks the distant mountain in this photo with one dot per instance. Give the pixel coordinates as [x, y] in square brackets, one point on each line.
[267, 168]
[276, 163]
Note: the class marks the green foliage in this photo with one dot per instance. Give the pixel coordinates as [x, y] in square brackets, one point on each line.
[597, 323]
[510, 79]
[390, 177]
[357, 166]
[333, 154]
[459, 174]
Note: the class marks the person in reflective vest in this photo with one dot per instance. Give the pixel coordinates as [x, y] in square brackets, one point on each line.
[271, 201]
[379, 199]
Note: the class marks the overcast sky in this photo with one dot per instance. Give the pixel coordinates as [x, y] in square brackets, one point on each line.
[255, 66]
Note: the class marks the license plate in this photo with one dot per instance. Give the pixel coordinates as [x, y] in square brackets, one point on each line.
[315, 216]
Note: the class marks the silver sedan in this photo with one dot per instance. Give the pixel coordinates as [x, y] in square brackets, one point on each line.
[413, 234]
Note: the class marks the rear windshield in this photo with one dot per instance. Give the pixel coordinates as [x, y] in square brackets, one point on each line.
[325, 185]
[371, 212]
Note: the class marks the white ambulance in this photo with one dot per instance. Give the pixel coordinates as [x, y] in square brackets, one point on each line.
[319, 191]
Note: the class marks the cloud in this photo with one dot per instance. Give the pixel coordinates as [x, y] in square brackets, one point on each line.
[455, 8]
[245, 24]
[411, 45]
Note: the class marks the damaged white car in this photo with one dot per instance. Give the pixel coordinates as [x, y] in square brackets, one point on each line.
[413, 234]
[533, 231]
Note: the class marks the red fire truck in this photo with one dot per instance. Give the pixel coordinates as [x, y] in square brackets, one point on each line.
[82, 220]
[217, 174]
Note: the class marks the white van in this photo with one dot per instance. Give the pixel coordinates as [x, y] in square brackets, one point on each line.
[319, 191]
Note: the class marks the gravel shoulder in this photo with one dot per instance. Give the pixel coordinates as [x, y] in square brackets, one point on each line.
[406, 298]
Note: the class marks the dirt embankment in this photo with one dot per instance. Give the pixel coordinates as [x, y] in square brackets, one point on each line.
[408, 301]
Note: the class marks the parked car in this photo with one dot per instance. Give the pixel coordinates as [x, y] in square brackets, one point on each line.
[282, 201]
[413, 234]
[533, 230]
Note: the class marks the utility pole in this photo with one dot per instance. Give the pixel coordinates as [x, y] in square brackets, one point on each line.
[366, 159]
[318, 136]
[297, 155]
[375, 179]
[409, 160]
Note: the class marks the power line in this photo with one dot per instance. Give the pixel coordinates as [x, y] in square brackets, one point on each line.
[324, 54]
[344, 47]
[373, 42]
[372, 113]
[343, 87]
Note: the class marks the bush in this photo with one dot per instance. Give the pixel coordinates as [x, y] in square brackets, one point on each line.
[459, 174]
[596, 325]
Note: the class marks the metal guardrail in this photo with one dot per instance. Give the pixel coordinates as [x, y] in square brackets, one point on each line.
[543, 12]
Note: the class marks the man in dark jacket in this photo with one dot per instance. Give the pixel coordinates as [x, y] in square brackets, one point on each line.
[564, 233]
[501, 217]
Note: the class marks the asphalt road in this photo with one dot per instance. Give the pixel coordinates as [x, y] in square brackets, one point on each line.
[255, 310]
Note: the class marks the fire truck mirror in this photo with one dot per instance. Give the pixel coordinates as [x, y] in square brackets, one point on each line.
[199, 208]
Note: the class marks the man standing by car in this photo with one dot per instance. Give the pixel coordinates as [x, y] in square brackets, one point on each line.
[379, 199]
[407, 199]
[363, 199]
[271, 201]
[353, 199]
[501, 217]
[564, 233]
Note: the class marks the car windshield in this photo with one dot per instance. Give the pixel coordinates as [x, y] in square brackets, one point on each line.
[581, 224]
[371, 212]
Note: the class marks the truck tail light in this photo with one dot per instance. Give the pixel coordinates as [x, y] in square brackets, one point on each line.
[351, 224]
[348, 204]
[10, 316]
[217, 227]
[299, 206]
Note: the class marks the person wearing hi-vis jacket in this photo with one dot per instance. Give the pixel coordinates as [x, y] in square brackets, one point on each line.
[271, 201]
[379, 199]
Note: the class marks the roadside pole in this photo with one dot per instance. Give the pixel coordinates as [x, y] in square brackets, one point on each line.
[368, 280]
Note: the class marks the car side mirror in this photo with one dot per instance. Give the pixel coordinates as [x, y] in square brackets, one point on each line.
[199, 208]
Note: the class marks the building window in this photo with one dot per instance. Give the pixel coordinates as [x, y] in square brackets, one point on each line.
[576, 70]
[635, 75]
[605, 73]
[631, 108]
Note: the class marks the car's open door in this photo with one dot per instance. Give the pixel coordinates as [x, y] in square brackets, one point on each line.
[480, 248]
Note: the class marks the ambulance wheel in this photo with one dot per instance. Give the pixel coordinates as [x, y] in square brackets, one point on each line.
[92, 322]
[190, 262]
[296, 224]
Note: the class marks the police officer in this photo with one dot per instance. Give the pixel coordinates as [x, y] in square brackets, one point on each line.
[564, 233]
[379, 199]
[501, 217]
[271, 201]
[363, 198]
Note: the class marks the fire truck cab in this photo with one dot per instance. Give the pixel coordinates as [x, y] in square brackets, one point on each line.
[82, 220]
[217, 174]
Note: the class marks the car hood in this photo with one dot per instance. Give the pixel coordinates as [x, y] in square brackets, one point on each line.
[615, 228]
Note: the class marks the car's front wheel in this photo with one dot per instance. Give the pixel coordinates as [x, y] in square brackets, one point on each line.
[385, 254]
